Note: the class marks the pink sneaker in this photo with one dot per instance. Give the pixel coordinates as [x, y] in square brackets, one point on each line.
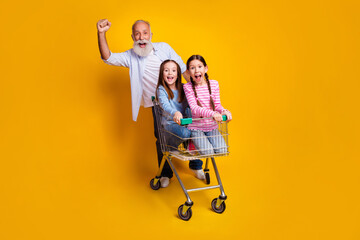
[191, 148]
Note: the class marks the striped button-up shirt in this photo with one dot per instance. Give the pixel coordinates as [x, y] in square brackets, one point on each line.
[137, 64]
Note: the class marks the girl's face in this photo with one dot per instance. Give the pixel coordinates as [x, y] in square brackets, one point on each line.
[197, 71]
[170, 74]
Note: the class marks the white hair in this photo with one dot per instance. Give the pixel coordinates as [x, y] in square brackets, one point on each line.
[138, 21]
[142, 52]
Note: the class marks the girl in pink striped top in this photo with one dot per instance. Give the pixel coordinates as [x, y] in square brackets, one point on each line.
[203, 96]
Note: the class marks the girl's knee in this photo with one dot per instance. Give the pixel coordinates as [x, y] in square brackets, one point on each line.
[186, 133]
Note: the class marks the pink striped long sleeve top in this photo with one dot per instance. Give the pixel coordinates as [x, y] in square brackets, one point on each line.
[203, 95]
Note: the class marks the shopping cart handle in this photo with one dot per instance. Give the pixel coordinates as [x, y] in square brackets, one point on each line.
[186, 121]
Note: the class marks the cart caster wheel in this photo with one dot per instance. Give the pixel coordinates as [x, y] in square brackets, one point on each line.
[207, 178]
[156, 186]
[220, 209]
[187, 215]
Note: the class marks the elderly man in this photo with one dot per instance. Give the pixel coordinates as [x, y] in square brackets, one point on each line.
[143, 61]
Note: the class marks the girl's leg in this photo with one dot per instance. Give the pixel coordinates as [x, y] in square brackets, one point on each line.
[201, 142]
[217, 141]
[176, 135]
[181, 133]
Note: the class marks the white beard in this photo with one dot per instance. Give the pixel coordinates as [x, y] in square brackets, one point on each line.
[142, 52]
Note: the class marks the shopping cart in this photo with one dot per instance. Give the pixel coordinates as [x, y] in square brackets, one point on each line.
[173, 146]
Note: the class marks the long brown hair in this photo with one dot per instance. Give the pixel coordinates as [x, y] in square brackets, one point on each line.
[201, 59]
[178, 84]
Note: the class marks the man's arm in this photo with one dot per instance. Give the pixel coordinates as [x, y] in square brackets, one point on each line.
[186, 75]
[174, 56]
[103, 25]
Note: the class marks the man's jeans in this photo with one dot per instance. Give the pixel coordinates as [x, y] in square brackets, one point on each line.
[208, 143]
[178, 130]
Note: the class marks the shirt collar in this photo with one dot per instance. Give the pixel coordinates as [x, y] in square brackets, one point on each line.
[155, 48]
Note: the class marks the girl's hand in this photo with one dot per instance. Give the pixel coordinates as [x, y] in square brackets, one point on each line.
[177, 117]
[228, 115]
[217, 117]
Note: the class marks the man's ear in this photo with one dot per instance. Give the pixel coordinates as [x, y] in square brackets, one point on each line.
[132, 36]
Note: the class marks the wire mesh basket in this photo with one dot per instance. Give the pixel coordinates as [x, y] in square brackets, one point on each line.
[210, 141]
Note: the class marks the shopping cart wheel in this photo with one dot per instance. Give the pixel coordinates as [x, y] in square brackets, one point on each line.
[220, 209]
[187, 215]
[207, 178]
[156, 186]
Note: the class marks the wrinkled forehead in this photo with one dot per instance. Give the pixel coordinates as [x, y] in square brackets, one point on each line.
[141, 27]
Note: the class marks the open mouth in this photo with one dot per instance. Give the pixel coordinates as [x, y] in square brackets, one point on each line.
[198, 76]
[142, 45]
[170, 78]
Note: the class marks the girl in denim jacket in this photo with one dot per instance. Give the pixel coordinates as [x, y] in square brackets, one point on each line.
[170, 94]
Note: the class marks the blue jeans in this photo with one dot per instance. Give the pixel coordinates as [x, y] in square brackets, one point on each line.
[167, 172]
[208, 143]
[180, 132]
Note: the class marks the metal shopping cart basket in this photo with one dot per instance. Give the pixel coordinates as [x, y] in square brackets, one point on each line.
[182, 151]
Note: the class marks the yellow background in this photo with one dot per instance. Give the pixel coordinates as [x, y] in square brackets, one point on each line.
[75, 166]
